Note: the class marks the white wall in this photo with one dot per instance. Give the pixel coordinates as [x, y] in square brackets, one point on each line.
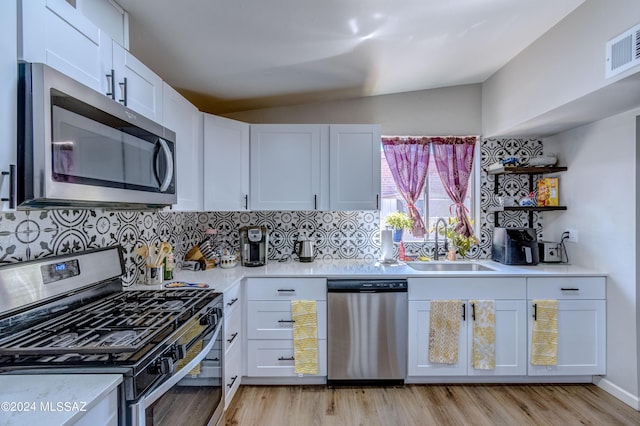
[564, 65]
[451, 110]
[600, 190]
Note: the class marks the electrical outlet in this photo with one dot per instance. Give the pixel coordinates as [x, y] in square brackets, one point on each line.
[573, 235]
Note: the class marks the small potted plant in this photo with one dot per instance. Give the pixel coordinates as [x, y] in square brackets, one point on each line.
[399, 221]
[461, 244]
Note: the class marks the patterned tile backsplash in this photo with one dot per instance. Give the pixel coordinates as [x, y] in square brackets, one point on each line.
[28, 235]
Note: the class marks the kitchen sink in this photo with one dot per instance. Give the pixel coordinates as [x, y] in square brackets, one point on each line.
[448, 266]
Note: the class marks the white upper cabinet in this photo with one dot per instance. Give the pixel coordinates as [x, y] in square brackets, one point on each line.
[54, 33]
[186, 121]
[226, 164]
[8, 96]
[136, 86]
[289, 167]
[354, 168]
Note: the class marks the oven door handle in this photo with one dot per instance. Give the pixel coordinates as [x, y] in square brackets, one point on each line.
[180, 374]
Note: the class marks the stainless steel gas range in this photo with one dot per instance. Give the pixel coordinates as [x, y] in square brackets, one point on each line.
[70, 315]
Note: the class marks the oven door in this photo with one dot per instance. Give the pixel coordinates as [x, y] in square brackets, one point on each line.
[193, 395]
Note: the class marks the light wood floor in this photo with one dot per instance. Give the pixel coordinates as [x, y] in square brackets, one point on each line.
[428, 405]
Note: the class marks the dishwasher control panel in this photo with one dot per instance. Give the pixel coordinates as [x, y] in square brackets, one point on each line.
[366, 285]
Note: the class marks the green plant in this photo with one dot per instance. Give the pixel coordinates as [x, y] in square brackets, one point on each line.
[459, 241]
[399, 220]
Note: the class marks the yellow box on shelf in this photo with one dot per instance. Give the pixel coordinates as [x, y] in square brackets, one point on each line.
[548, 192]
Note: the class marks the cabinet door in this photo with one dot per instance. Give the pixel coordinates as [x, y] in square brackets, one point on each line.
[142, 89]
[226, 164]
[289, 167]
[54, 33]
[354, 167]
[8, 95]
[418, 358]
[186, 121]
[511, 340]
[581, 339]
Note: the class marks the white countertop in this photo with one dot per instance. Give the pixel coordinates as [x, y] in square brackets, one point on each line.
[51, 399]
[220, 279]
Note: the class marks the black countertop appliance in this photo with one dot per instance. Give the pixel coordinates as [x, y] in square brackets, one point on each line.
[515, 246]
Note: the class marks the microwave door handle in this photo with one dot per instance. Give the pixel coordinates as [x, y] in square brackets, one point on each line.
[168, 175]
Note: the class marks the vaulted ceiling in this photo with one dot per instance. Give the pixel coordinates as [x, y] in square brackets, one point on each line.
[234, 55]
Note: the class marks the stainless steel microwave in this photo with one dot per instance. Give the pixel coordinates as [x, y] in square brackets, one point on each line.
[80, 148]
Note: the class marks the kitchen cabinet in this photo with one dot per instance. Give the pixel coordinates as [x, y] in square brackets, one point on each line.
[8, 96]
[581, 324]
[354, 167]
[186, 121]
[226, 164]
[135, 85]
[270, 351]
[104, 412]
[531, 171]
[55, 33]
[289, 167]
[510, 341]
[233, 337]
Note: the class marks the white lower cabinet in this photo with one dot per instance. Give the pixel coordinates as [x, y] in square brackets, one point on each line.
[105, 412]
[511, 344]
[581, 324]
[270, 351]
[233, 342]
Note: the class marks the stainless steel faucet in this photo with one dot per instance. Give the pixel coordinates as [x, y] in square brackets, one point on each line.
[446, 247]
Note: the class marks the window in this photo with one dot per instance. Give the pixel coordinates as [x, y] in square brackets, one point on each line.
[434, 201]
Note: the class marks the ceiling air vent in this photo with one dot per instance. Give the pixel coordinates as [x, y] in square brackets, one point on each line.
[623, 52]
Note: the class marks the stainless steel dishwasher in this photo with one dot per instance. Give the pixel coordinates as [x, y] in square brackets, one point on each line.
[367, 332]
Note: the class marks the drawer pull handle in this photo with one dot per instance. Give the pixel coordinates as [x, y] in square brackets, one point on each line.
[233, 380]
[234, 300]
[569, 289]
[288, 290]
[282, 358]
[289, 321]
[233, 337]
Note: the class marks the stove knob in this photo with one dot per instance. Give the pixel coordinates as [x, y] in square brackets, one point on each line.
[209, 318]
[179, 352]
[163, 366]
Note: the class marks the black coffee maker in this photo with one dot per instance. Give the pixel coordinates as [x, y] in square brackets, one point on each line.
[515, 246]
[254, 245]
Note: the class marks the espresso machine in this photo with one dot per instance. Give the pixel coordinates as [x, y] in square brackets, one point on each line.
[254, 245]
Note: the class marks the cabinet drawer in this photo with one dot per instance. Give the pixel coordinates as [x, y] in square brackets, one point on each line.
[232, 329]
[273, 358]
[467, 288]
[566, 288]
[232, 299]
[286, 289]
[232, 373]
[272, 320]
